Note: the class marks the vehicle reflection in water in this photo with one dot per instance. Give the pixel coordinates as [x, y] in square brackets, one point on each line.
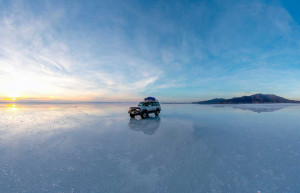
[148, 126]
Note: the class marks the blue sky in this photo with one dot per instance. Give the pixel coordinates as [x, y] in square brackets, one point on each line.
[126, 50]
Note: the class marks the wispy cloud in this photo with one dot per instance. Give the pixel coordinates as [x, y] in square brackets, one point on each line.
[36, 62]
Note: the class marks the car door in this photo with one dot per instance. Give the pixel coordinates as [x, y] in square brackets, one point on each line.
[151, 107]
[155, 106]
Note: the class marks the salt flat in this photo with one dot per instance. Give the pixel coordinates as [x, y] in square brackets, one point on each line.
[188, 148]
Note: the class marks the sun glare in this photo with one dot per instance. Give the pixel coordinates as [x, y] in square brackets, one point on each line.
[12, 96]
[11, 99]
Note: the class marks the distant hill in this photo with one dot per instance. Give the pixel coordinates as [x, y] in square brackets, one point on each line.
[256, 98]
[213, 101]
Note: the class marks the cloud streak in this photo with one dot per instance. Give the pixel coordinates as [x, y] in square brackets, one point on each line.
[35, 63]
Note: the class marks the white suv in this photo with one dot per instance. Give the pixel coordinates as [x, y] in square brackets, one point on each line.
[145, 108]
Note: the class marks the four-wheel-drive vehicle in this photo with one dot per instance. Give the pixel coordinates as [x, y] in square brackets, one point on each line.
[150, 105]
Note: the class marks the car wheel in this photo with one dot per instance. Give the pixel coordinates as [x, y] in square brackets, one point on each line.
[157, 113]
[144, 115]
[132, 116]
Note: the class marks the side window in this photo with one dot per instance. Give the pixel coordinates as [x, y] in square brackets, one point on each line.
[157, 104]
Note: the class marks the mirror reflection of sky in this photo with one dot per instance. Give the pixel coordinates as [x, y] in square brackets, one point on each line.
[188, 148]
[126, 50]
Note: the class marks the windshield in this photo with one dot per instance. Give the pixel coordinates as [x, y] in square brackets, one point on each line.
[144, 104]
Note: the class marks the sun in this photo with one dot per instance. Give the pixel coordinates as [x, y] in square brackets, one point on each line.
[12, 96]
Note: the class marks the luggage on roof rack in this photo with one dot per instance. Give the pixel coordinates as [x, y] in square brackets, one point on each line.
[150, 99]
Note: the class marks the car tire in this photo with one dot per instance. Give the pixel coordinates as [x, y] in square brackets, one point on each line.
[144, 115]
[132, 116]
[156, 112]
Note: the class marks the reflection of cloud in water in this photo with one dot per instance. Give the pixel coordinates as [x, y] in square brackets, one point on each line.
[148, 126]
[198, 149]
[45, 117]
[226, 150]
[258, 108]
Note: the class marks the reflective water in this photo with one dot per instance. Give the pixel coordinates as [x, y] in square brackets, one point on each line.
[188, 148]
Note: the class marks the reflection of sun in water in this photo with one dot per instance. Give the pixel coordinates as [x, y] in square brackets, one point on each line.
[12, 107]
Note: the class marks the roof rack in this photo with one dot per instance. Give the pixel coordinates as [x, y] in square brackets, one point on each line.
[150, 99]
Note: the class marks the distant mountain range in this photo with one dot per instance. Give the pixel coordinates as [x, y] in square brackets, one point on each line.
[253, 99]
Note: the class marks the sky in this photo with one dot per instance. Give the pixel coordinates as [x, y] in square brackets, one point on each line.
[127, 50]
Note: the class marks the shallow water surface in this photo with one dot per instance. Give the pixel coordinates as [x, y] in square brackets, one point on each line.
[188, 148]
